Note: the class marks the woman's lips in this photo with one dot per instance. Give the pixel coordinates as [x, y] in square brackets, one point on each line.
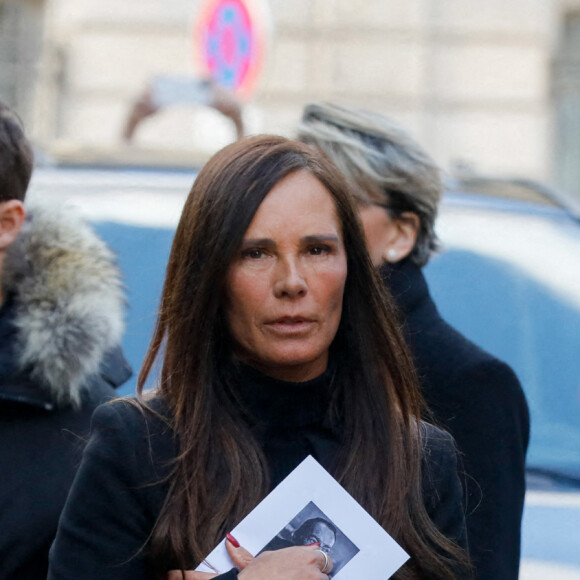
[290, 325]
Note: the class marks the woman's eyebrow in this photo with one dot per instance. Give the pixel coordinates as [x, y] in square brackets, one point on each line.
[320, 238]
[261, 242]
[269, 242]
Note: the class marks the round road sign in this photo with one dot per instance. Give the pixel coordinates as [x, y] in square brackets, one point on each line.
[229, 39]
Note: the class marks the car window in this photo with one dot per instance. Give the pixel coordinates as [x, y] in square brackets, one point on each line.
[509, 279]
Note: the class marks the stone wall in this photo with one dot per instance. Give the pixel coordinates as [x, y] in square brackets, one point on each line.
[470, 79]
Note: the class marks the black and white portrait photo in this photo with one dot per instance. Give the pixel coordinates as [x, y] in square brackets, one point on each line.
[312, 525]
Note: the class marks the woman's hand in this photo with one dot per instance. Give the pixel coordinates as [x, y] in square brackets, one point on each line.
[295, 563]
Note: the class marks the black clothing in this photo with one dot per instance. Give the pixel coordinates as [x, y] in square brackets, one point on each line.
[479, 400]
[40, 452]
[57, 364]
[111, 509]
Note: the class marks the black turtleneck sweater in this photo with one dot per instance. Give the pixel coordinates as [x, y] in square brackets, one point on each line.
[289, 420]
[479, 400]
[112, 507]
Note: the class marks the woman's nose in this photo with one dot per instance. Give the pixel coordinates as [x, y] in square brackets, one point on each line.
[290, 281]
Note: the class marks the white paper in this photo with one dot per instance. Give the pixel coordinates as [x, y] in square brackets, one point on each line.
[359, 546]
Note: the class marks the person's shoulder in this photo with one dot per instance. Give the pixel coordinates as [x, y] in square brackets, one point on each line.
[472, 366]
[465, 352]
[448, 355]
[132, 413]
[131, 420]
[488, 381]
[133, 431]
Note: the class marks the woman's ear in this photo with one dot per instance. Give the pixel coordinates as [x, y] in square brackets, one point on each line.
[404, 236]
[12, 216]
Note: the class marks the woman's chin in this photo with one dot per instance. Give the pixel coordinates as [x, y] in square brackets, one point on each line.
[293, 367]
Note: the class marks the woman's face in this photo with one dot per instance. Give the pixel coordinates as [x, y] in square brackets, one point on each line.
[285, 286]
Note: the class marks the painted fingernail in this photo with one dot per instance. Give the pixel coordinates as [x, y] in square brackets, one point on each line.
[313, 544]
[232, 540]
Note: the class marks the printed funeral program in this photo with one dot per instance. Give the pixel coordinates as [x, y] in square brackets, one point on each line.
[311, 506]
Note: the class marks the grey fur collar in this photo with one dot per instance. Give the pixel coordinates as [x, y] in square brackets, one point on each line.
[68, 297]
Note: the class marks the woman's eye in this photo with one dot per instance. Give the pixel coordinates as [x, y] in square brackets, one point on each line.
[319, 250]
[253, 253]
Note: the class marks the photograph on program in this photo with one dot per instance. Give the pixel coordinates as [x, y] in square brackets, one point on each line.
[312, 525]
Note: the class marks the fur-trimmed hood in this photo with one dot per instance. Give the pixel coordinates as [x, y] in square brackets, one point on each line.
[68, 300]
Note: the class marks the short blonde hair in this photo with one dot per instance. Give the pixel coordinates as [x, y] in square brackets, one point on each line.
[382, 164]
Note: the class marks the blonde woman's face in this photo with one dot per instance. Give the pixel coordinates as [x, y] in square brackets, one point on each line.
[285, 288]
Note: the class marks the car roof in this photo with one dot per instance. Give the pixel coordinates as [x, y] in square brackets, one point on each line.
[521, 191]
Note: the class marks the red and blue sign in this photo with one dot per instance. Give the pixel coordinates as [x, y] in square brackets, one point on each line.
[230, 38]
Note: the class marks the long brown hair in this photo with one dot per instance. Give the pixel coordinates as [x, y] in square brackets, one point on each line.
[220, 473]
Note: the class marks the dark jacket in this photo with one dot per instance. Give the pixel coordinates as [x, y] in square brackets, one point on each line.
[479, 400]
[111, 509]
[60, 327]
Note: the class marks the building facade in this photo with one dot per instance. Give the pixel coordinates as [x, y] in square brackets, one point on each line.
[493, 86]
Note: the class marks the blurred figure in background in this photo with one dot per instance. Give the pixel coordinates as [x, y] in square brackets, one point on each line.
[476, 397]
[61, 319]
[165, 91]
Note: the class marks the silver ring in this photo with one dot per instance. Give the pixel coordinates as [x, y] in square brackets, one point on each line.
[326, 561]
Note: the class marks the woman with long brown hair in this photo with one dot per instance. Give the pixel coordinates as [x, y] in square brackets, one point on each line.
[274, 341]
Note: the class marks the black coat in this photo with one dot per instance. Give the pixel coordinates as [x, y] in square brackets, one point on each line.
[40, 452]
[60, 328]
[479, 400]
[111, 509]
